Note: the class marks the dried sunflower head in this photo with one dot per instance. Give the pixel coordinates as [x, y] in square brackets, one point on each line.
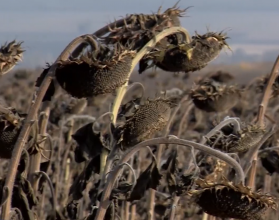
[23, 196]
[95, 74]
[138, 29]
[211, 96]
[10, 55]
[186, 57]
[242, 141]
[147, 119]
[10, 126]
[228, 200]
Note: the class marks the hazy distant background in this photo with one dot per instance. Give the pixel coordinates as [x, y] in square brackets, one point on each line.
[46, 27]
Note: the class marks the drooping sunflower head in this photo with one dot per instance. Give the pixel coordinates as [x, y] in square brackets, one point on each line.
[211, 96]
[227, 200]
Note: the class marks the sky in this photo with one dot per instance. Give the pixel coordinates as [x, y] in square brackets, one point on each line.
[46, 27]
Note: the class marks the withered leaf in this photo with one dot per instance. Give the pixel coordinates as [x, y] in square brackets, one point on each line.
[270, 161]
[171, 175]
[90, 144]
[81, 181]
[51, 89]
[23, 197]
[150, 178]
[177, 183]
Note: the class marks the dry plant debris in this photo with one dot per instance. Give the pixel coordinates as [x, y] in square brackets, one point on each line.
[72, 146]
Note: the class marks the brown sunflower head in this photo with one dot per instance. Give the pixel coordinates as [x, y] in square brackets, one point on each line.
[95, 74]
[146, 120]
[10, 126]
[190, 56]
[211, 96]
[239, 142]
[228, 200]
[206, 48]
[10, 54]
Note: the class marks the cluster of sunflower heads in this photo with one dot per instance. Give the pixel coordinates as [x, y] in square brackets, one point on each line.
[240, 142]
[227, 200]
[211, 96]
[10, 54]
[186, 56]
[144, 122]
[93, 74]
[138, 29]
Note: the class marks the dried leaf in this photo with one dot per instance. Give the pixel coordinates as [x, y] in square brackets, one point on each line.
[150, 178]
[90, 144]
[270, 161]
[81, 181]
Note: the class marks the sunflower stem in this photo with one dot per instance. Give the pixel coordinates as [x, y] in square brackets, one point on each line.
[173, 207]
[260, 117]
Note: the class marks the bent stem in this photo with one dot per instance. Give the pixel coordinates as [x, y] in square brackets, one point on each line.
[24, 133]
[122, 90]
[54, 203]
[156, 141]
[260, 117]
[222, 124]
